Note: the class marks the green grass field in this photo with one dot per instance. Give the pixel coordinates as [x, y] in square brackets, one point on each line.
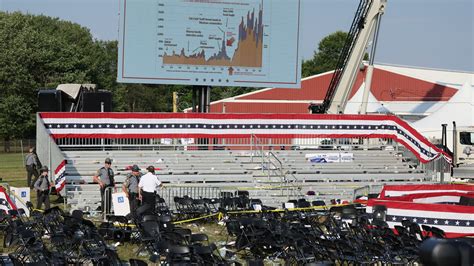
[12, 170]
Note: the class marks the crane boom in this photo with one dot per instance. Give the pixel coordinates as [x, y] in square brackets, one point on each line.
[367, 17]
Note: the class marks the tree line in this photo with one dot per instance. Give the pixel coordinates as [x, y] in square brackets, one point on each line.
[40, 52]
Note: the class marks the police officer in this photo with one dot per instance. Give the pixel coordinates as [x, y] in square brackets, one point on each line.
[105, 178]
[130, 187]
[148, 186]
[31, 162]
[42, 187]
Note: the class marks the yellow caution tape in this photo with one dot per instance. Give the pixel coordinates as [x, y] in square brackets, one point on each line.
[176, 222]
[124, 225]
[195, 219]
[290, 209]
[220, 215]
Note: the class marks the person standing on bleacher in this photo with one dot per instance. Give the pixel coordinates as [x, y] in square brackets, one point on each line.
[130, 187]
[147, 188]
[105, 178]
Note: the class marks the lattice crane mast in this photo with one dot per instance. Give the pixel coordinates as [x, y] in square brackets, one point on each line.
[365, 24]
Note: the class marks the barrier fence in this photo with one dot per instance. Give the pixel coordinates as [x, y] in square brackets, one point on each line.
[439, 169]
[17, 145]
[168, 193]
[274, 143]
[108, 206]
[361, 191]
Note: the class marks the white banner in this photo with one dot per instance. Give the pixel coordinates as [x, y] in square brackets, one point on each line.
[22, 195]
[330, 157]
[120, 204]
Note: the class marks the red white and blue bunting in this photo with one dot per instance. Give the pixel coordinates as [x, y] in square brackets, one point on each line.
[194, 125]
[435, 205]
[59, 176]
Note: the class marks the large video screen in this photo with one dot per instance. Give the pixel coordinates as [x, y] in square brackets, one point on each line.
[245, 43]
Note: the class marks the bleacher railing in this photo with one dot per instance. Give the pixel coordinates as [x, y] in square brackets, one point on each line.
[251, 143]
[273, 166]
[256, 148]
[439, 169]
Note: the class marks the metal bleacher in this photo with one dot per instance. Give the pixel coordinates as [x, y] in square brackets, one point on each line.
[255, 171]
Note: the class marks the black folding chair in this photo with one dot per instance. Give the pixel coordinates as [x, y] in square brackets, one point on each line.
[180, 255]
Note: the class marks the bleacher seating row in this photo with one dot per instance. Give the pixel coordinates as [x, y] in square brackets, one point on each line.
[233, 170]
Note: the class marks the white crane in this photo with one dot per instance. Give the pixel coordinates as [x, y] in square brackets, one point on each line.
[366, 23]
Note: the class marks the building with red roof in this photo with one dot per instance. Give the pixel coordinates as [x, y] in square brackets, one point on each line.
[411, 93]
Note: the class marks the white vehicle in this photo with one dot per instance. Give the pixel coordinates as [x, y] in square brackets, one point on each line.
[464, 149]
[463, 153]
[459, 143]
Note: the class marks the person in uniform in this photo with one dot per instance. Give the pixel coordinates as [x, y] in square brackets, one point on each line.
[42, 186]
[148, 186]
[31, 162]
[105, 179]
[130, 187]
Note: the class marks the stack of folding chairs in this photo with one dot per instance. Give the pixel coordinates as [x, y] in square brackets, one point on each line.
[54, 237]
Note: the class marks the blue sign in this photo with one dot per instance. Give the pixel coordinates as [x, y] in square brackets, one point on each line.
[23, 194]
[120, 199]
[253, 43]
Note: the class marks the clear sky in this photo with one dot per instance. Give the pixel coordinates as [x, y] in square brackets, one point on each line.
[423, 33]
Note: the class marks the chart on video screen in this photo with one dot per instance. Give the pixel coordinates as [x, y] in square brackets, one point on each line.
[210, 42]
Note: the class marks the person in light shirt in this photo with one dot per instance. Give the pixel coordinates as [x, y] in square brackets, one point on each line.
[147, 188]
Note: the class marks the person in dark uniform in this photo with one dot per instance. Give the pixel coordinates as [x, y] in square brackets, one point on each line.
[31, 163]
[130, 187]
[105, 179]
[42, 186]
[148, 186]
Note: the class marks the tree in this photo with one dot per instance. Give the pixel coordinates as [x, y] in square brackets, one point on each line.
[41, 52]
[217, 93]
[144, 98]
[325, 58]
[14, 118]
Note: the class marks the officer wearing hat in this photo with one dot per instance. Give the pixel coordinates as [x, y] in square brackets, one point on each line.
[130, 187]
[31, 162]
[42, 187]
[105, 178]
[148, 186]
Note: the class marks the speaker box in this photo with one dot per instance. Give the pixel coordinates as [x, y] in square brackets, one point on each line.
[49, 101]
[92, 101]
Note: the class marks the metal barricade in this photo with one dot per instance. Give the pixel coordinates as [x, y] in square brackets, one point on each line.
[361, 191]
[196, 192]
[248, 143]
[108, 206]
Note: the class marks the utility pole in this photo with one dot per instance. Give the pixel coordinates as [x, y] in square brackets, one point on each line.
[175, 102]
